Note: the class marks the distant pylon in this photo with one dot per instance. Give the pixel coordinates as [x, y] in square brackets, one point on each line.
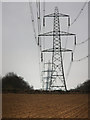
[57, 74]
[47, 78]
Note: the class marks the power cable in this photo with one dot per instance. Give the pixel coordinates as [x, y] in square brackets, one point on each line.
[79, 13]
[78, 43]
[66, 41]
[83, 42]
[35, 36]
[81, 58]
[70, 65]
[33, 24]
[74, 22]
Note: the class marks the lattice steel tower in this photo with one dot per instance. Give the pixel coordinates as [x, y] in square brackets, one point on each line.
[57, 75]
[57, 62]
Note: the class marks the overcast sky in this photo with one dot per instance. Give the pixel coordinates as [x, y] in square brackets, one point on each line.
[20, 52]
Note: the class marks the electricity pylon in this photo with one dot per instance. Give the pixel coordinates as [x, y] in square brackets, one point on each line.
[48, 72]
[57, 75]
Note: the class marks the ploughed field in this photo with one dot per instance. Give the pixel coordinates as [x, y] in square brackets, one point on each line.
[45, 105]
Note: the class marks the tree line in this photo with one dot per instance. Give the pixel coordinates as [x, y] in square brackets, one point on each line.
[11, 82]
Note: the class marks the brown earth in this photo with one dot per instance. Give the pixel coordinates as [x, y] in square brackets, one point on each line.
[45, 105]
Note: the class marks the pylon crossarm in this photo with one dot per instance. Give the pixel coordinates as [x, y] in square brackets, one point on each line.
[57, 75]
[47, 77]
[60, 33]
[47, 34]
[57, 50]
[49, 15]
[47, 71]
[66, 50]
[63, 32]
[57, 86]
[63, 15]
[58, 15]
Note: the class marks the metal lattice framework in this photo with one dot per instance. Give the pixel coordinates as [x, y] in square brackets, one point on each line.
[57, 63]
[48, 77]
[57, 74]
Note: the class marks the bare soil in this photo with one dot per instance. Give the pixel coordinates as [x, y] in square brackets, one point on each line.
[45, 105]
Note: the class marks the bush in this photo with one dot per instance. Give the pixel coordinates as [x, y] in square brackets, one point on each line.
[12, 82]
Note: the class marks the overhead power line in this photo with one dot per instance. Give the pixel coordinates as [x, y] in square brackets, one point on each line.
[34, 30]
[70, 65]
[39, 29]
[82, 58]
[33, 22]
[83, 41]
[69, 68]
[68, 72]
[66, 41]
[79, 12]
[78, 15]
